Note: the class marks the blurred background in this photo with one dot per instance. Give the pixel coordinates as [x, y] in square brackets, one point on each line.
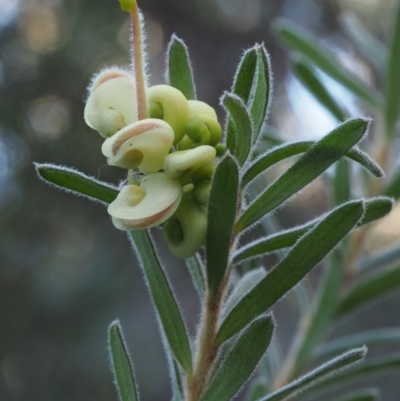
[65, 272]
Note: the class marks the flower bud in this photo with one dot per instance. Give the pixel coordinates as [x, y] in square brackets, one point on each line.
[186, 230]
[204, 172]
[142, 145]
[201, 192]
[112, 103]
[147, 205]
[182, 164]
[170, 105]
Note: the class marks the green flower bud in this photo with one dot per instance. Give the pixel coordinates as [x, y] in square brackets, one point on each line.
[171, 104]
[143, 144]
[182, 164]
[204, 173]
[186, 230]
[150, 204]
[201, 192]
[112, 102]
[127, 5]
[221, 149]
[204, 112]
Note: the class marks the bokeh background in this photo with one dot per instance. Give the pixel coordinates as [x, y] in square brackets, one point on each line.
[65, 272]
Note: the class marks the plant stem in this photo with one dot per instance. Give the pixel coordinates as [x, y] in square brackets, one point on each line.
[138, 62]
[207, 347]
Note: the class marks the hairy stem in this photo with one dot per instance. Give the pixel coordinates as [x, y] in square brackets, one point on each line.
[138, 63]
[207, 347]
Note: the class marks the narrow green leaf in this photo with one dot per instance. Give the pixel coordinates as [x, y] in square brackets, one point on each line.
[196, 270]
[76, 182]
[241, 362]
[392, 82]
[372, 49]
[370, 338]
[222, 207]
[242, 87]
[246, 283]
[240, 118]
[318, 375]
[272, 243]
[262, 91]
[308, 251]
[256, 390]
[164, 301]
[393, 187]
[381, 260]
[341, 183]
[362, 371]
[121, 364]
[300, 40]
[313, 83]
[375, 208]
[314, 326]
[287, 150]
[313, 163]
[369, 289]
[244, 77]
[371, 394]
[179, 68]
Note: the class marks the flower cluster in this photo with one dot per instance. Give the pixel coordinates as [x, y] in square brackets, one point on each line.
[170, 157]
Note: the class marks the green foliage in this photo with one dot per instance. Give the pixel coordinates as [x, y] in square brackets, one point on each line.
[313, 163]
[221, 216]
[121, 364]
[179, 68]
[241, 360]
[163, 298]
[318, 375]
[235, 293]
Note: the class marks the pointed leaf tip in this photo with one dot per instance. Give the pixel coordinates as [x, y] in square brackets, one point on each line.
[121, 364]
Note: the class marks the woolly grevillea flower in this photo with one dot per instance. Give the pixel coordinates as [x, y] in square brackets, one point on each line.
[147, 205]
[112, 102]
[143, 144]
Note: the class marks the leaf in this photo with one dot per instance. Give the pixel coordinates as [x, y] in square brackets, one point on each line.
[393, 187]
[308, 251]
[248, 281]
[369, 289]
[76, 182]
[375, 208]
[121, 364]
[318, 375]
[314, 326]
[179, 68]
[262, 92]
[286, 150]
[392, 81]
[256, 390]
[240, 363]
[196, 270]
[381, 260]
[371, 394]
[242, 87]
[372, 49]
[362, 371]
[222, 207]
[244, 76]
[313, 83]
[243, 129]
[341, 183]
[163, 298]
[313, 163]
[370, 338]
[300, 40]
